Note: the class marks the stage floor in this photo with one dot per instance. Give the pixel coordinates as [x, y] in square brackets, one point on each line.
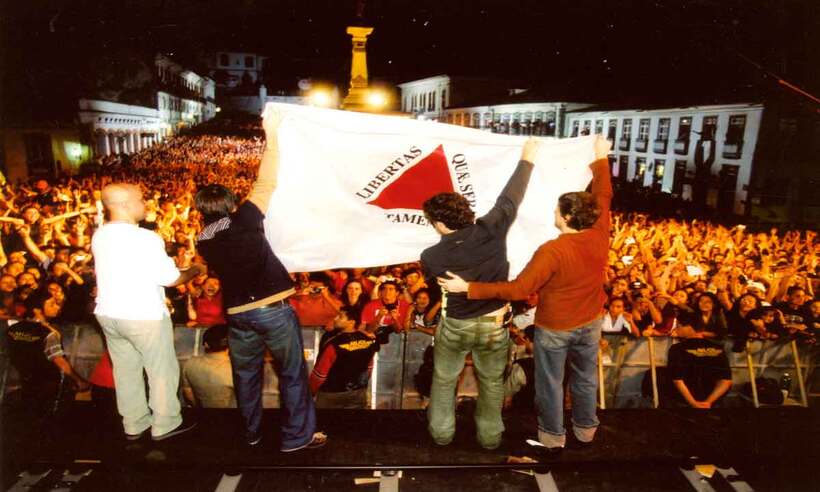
[771, 448]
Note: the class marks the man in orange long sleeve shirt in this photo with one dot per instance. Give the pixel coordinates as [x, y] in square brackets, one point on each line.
[568, 274]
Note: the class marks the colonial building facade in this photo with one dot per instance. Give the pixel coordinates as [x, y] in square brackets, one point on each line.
[183, 98]
[666, 148]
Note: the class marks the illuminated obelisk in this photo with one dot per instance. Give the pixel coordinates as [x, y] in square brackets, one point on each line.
[356, 99]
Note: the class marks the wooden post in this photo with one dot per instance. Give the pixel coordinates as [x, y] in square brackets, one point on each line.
[799, 370]
[601, 392]
[653, 372]
[750, 365]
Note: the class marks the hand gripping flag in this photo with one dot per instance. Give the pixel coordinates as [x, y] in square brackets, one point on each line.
[351, 186]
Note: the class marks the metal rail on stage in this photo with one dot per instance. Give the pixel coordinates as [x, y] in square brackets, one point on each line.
[398, 362]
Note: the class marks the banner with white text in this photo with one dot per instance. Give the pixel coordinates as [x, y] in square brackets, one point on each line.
[351, 186]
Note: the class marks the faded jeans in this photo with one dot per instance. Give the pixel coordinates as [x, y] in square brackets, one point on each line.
[552, 347]
[276, 328]
[144, 345]
[488, 341]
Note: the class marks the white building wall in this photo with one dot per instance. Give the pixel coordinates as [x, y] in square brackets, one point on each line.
[234, 64]
[752, 112]
[120, 128]
[420, 91]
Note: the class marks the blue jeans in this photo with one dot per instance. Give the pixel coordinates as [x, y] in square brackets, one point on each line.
[276, 328]
[551, 349]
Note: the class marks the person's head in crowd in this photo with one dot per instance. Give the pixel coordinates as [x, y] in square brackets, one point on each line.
[389, 292]
[616, 307]
[681, 297]
[576, 211]
[396, 271]
[26, 279]
[707, 303]
[303, 280]
[14, 268]
[643, 305]
[31, 214]
[346, 320]
[795, 296]
[7, 305]
[18, 257]
[124, 202]
[55, 291]
[52, 308]
[769, 316]
[620, 286]
[8, 283]
[422, 300]
[357, 273]
[814, 311]
[411, 276]
[41, 186]
[214, 202]
[746, 303]
[35, 272]
[211, 286]
[700, 286]
[215, 339]
[318, 281]
[352, 293]
[448, 212]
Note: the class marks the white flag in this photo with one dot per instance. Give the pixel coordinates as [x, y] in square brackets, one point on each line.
[351, 186]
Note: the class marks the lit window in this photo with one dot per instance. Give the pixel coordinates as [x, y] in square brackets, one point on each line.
[663, 128]
[643, 129]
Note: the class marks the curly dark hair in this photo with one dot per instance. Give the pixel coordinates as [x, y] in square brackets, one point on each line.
[451, 209]
[581, 208]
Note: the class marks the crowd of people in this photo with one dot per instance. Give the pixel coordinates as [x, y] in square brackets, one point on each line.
[727, 281]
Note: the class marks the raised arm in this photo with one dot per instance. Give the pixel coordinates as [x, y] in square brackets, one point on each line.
[266, 180]
[602, 183]
[502, 215]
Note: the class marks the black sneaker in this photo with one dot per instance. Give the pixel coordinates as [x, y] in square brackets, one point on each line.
[135, 437]
[184, 426]
[252, 440]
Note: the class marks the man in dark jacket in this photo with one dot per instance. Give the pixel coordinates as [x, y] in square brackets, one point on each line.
[476, 249]
[256, 287]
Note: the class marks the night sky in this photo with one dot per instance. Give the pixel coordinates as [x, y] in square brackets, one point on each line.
[603, 51]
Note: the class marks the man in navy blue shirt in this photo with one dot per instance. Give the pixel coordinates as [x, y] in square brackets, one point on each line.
[256, 287]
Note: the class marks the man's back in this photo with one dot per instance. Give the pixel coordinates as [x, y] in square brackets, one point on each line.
[131, 267]
[478, 252]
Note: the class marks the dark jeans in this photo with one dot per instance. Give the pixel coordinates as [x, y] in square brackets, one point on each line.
[276, 328]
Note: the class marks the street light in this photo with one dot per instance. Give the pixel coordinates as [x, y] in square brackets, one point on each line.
[320, 97]
[376, 99]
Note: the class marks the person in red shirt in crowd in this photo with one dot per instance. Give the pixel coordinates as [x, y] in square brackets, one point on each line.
[386, 314]
[207, 308]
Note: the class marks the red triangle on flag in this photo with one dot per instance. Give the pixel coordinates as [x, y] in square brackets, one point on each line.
[428, 177]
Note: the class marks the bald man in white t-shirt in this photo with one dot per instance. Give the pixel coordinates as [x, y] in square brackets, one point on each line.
[132, 270]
